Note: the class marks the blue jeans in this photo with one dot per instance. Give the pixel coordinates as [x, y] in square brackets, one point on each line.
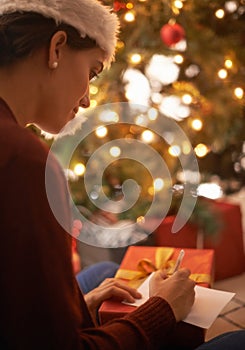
[227, 341]
[93, 275]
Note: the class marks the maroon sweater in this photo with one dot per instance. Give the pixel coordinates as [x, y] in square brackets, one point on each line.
[41, 306]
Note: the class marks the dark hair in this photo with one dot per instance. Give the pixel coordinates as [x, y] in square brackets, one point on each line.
[21, 33]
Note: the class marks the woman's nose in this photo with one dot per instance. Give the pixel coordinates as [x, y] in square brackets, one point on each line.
[85, 101]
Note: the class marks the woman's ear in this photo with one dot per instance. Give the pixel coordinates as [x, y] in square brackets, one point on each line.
[57, 42]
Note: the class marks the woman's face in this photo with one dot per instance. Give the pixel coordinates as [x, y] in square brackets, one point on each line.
[67, 87]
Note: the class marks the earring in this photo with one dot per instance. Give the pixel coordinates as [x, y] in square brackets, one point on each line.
[54, 65]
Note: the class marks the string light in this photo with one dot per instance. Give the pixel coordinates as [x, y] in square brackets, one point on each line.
[158, 184]
[220, 13]
[79, 169]
[178, 59]
[141, 120]
[174, 150]
[147, 136]
[192, 71]
[187, 99]
[196, 124]
[93, 90]
[129, 5]
[186, 147]
[101, 131]
[231, 6]
[228, 63]
[151, 191]
[129, 16]
[135, 58]
[115, 151]
[93, 103]
[178, 4]
[201, 150]
[120, 45]
[239, 92]
[222, 73]
[152, 113]
[109, 116]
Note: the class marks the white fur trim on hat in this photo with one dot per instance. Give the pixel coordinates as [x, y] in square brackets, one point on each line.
[89, 17]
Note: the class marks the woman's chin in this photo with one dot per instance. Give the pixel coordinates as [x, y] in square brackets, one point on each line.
[50, 129]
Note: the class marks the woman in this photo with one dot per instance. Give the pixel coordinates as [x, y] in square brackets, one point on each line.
[49, 51]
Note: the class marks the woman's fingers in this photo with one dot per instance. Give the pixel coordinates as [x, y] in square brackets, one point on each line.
[116, 288]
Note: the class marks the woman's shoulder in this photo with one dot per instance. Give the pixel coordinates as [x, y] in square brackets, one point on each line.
[21, 142]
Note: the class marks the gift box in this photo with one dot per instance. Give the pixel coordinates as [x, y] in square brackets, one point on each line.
[140, 261]
[227, 243]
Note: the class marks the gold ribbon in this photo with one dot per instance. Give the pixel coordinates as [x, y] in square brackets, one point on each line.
[162, 261]
[145, 267]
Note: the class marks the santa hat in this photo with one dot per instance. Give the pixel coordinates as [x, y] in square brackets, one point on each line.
[88, 17]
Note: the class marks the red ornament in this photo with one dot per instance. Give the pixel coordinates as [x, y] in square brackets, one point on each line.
[117, 6]
[172, 33]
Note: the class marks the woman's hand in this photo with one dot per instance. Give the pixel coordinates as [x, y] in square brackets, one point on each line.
[177, 290]
[110, 288]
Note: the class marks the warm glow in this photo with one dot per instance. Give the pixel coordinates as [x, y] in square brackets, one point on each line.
[140, 220]
[115, 151]
[129, 5]
[151, 191]
[178, 4]
[137, 87]
[79, 169]
[186, 147]
[158, 184]
[156, 98]
[174, 150]
[140, 120]
[147, 136]
[93, 103]
[192, 71]
[163, 69]
[172, 107]
[201, 150]
[210, 190]
[220, 13]
[178, 59]
[239, 92]
[152, 114]
[120, 44]
[101, 131]
[93, 90]
[136, 58]
[108, 116]
[222, 73]
[228, 64]
[196, 124]
[129, 16]
[231, 6]
[187, 99]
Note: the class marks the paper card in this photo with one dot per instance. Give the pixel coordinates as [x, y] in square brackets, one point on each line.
[206, 308]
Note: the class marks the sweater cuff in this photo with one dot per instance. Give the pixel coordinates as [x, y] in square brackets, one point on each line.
[155, 316]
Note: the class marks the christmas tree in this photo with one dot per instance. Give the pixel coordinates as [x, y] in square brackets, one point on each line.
[185, 59]
[205, 40]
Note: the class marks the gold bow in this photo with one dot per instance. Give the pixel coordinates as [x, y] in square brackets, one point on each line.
[162, 261]
[145, 267]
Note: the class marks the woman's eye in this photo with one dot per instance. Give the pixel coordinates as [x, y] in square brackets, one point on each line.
[93, 76]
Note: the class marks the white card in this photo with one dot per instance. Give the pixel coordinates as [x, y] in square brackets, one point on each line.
[206, 308]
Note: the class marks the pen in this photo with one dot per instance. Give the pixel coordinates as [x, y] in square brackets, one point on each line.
[179, 259]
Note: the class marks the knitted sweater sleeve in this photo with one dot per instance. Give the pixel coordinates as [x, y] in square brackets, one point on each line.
[146, 328]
